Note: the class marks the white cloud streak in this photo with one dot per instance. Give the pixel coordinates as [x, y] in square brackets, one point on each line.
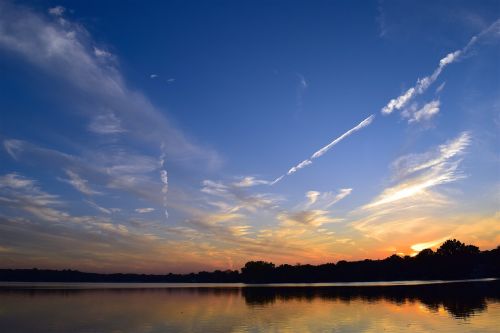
[299, 166]
[277, 180]
[431, 169]
[79, 183]
[99, 208]
[329, 146]
[164, 179]
[424, 83]
[326, 148]
[428, 245]
[325, 200]
[421, 85]
[144, 210]
[411, 205]
[441, 174]
[250, 181]
[344, 192]
[412, 163]
[440, 87]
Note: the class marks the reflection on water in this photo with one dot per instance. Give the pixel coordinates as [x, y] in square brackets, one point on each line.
[458, 307]
[457, 300]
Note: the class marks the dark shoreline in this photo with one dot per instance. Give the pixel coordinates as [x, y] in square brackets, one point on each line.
[452, 261]
[165, 285]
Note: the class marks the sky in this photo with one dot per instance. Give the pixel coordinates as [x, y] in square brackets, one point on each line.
[179, 136]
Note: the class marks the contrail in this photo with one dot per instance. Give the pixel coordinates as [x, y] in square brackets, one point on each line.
[326, 148]
[424, 83]
[164, 180]
[400, 101]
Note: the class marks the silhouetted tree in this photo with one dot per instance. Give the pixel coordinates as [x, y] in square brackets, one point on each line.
[455, 247]
[258, 271]
[426, 253]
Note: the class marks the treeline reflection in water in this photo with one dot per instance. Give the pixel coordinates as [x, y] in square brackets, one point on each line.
[460, 299]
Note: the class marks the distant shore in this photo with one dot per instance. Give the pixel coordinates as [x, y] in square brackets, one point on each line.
[153, 285]
[452, 261]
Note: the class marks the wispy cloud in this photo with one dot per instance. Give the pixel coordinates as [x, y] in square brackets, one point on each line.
[237, 199]
[205, 236]
[144, 210]
[153, 76]
[440, 87]
[250, 181]
[99, 208]
[433, 169]
[15, 181]
[424, 83]
[312, 197]
[312, 214]
[418, 186]
[66, 51]
[79, 183]
[26, 195]
[428, 245]
[128, 173]
[313, 218]
[13, 147]
[106, 124]
[404, 207]
[344, 192]
[326, 199]
[409, 164]
[426, 112]
[101, 53]
[277, 180]
[57, 10]
[214, 188]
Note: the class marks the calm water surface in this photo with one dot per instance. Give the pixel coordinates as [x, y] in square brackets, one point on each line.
[141, 308]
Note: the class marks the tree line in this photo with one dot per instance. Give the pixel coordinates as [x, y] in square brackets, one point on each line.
[451, 261]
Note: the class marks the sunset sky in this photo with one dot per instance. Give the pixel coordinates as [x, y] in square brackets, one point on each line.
[178, 136]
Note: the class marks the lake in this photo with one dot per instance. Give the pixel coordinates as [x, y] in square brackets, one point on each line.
[354, 307]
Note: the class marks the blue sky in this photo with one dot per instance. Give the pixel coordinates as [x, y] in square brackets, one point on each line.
[154, 136]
